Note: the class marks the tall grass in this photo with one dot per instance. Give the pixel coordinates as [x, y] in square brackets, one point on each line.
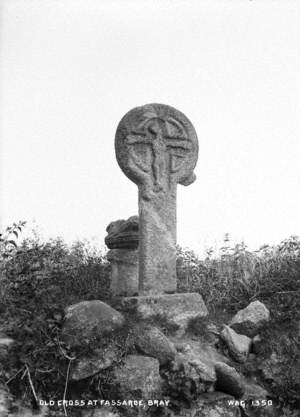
[235, 276]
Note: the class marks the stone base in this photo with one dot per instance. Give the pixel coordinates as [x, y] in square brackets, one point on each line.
[175, 309]
[124, 272]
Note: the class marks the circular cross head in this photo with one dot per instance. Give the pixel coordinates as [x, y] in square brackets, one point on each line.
[156, 145]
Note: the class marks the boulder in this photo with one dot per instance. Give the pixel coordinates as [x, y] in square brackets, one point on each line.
[195, 348]
[152, 342]
[251, 319]
[123, 234]
[188, 376]
[138, 377]
[229, 380]
[238, 345]
[87, 321]
[88, 366]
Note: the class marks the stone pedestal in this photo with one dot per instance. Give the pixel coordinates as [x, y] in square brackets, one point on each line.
[124, 272]
[175, 310]
[123, 239]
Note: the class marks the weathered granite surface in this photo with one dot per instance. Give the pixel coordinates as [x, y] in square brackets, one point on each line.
[123, 234]
[85, 367]
[175, 309]
[138, 377]
[152, 342]
[88, 320]
[251, 319]
[187, 377]
[238, 344]
[229, 380]
[124, 272]
[157, 147]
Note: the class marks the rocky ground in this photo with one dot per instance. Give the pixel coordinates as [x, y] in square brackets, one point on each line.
[209, 370]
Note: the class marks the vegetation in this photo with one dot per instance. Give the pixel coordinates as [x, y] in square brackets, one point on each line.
[39, 279]
[235, 276]
[231, 279]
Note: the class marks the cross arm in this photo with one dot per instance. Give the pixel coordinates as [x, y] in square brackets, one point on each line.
[136, 138]
[174, 142]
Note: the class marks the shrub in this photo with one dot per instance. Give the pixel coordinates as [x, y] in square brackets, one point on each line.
[38, 280]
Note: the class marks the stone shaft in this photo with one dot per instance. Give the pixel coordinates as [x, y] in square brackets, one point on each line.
[157, 250]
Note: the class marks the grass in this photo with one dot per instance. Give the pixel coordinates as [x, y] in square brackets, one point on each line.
[235, 276]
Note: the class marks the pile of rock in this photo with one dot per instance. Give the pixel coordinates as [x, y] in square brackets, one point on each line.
[242, 332]
[178, 366]
[181, 368]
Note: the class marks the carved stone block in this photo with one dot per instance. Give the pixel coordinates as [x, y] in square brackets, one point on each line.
[124, 272]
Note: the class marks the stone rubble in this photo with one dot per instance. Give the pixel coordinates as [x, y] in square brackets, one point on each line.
[238, 345]
[229, 380]
[251, 319]
[88, 320]
[88, 366]
[138, 377]
[152, 342]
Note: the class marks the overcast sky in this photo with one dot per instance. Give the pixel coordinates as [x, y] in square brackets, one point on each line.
[70, 69]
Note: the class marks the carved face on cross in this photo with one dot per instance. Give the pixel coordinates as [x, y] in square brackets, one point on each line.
[156, 145]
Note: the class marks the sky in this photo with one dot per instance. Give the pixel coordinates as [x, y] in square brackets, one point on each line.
[70, 70]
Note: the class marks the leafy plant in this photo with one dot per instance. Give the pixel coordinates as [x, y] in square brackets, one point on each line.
[38, 281]
[8, 239]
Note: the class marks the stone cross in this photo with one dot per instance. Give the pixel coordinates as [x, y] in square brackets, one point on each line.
[157, 147]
